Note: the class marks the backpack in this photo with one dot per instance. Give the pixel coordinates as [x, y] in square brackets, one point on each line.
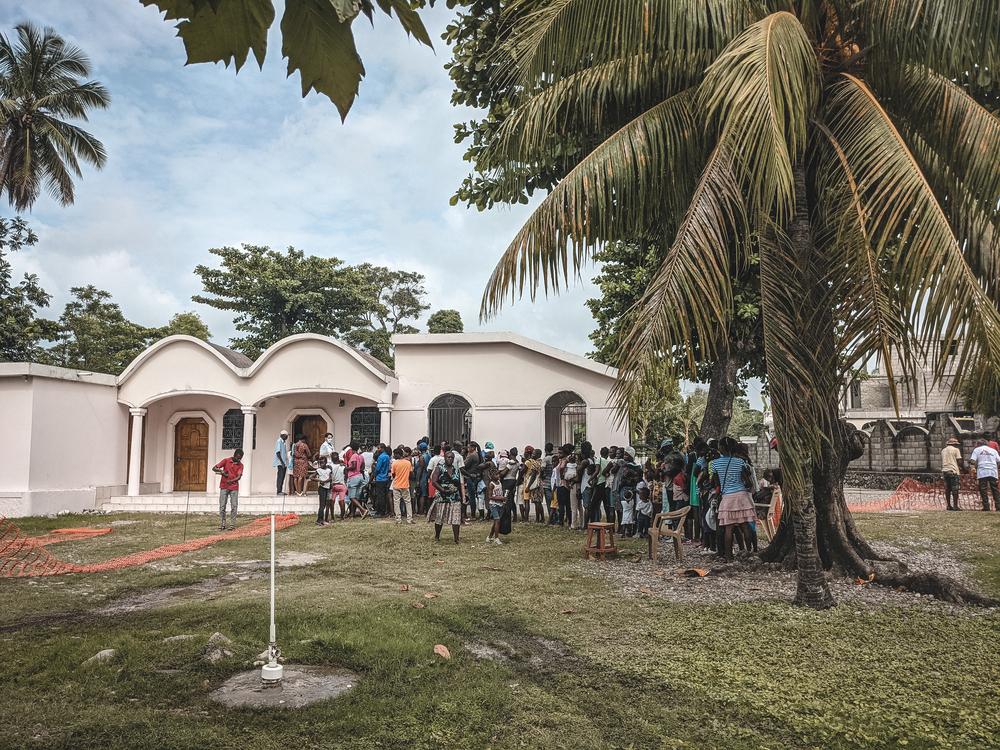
[570, 472]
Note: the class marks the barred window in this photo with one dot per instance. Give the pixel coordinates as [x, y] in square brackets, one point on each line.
[232, 430]
[366, 426]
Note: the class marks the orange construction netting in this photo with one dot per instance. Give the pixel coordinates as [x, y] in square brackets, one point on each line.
[914, 495]
[69, 535]
[25, 556]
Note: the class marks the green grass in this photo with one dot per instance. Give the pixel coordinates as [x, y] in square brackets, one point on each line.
[618, 671]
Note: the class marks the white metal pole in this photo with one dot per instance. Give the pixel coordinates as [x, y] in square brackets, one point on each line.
[273, 638]
[271, 672]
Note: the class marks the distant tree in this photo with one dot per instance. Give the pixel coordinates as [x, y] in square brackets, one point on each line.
[445, 321]
[95, 335]
[391, 297]
[42, 86]
[21, 330]
[626, 270]
[316, 36]
[189, 324]
[275, 294]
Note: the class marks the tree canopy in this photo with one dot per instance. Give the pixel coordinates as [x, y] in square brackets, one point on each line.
[95, 335]
[317, 38]
[391, 297]
[187, 323]
[445, 321]
[22, 332]
[828, 137]
[42, 87]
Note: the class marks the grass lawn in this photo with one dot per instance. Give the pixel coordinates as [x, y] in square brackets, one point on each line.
[573, 660]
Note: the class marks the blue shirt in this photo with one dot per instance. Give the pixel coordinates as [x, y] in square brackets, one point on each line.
[382, 467]
[730, 472]
[280, 449]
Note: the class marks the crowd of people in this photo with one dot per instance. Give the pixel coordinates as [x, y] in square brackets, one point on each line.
[568, 486]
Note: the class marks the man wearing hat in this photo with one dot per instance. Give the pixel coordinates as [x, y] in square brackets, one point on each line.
[280, 462]
[951, 467]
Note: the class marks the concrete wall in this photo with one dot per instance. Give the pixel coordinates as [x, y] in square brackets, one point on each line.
[71, 436]
[507, 384]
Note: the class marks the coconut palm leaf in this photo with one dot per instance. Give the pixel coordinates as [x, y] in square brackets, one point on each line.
[586, 101]
[629, 179]
[760, 93]
[691, 293]
[547, 39]
[946, 300]
[950, 36]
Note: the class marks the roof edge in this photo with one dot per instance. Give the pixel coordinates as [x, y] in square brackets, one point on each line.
[504, 337]
[53, 372]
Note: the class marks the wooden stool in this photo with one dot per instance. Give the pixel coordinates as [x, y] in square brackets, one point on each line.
[605, 540]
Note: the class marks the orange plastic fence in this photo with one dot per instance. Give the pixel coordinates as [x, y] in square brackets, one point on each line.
[24, 556]
[914, 495]
[69, 535]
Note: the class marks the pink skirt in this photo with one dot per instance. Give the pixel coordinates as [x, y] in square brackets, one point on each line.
[736, 508]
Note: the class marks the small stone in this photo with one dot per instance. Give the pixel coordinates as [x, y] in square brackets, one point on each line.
[218, 639]
[101, 657]
[175, 638]
[216, 655]
[263, 655]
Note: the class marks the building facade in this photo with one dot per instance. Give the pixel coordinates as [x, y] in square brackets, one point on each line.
[156, 430]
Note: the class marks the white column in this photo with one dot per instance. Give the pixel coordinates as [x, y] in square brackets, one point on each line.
[245, 483]
[384, 412]
[135, 452]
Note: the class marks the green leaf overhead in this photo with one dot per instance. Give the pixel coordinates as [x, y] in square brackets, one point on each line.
[321, 47]
[228, 32]
[317, 38]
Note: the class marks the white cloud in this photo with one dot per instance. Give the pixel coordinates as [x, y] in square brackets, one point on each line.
[200, 157]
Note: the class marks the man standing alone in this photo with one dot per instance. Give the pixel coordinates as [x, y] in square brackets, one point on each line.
[281, 461]
[951, 467]
[986, 460]
[230, 469]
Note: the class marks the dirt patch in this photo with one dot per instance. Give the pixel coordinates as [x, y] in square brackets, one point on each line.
[206, 590]
[750, 580]
[301, 686]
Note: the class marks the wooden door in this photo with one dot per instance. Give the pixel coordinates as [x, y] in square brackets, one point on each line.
[314, 428]
[191, 455]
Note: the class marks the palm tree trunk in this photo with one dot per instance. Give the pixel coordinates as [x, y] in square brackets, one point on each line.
[721, 394]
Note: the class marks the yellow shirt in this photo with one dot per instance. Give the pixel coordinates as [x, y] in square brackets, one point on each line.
[950, 457]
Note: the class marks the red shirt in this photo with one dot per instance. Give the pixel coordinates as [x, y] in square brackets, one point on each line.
[993, 444]
[231, 473]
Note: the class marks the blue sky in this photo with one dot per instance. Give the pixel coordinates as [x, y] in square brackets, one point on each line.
[201, 157]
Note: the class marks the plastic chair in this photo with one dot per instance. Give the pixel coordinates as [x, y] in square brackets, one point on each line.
[660, 530]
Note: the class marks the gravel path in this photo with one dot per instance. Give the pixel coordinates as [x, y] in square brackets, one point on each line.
[750, 580]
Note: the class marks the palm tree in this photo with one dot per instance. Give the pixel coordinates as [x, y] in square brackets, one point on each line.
[828, 136]
[41, 86]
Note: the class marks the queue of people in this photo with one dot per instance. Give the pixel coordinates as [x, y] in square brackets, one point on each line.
[460, 484]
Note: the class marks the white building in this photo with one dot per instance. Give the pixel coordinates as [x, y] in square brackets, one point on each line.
[147, 438]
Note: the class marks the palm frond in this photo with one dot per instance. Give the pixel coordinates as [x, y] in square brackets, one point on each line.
[691, 295]
[760, 94]
[950, 36]
[584, 102]
[860, 291]
[547, 39]
[617, 189]
[947, 303]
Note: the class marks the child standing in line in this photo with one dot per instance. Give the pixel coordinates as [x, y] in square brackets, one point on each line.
[324, 477]
[627, 525]
[497, 499]
[643, 509]
[338, 488]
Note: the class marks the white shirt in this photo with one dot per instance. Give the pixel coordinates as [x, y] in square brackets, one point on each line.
[323, 475]
[986, 460]
[337, 473]
[369, 458]
[326, 449]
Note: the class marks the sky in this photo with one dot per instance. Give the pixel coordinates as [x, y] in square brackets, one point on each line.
[202, 157]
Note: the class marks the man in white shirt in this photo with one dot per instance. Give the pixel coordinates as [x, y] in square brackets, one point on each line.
[326, 449]
[986, 461]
